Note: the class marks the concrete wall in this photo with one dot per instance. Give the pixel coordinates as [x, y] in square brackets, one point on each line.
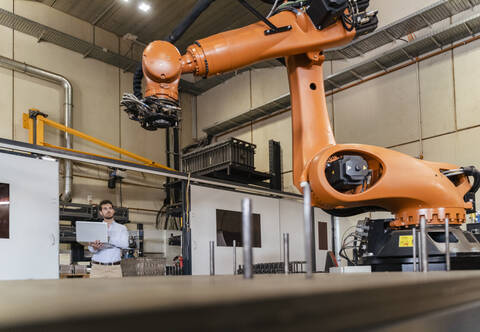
[430, 110]
[97, 91]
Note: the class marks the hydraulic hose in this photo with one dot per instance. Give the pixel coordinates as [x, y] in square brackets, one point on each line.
[137, 81]
[198, 9]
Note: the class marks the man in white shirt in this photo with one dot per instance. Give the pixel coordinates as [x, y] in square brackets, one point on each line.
[106, 258]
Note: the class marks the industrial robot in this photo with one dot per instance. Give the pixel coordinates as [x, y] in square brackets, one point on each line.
[345, 179]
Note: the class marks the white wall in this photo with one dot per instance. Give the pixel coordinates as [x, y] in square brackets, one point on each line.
[31, 251]
[277, 216]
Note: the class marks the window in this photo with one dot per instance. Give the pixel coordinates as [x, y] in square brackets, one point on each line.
[4, 211]
[229, 228]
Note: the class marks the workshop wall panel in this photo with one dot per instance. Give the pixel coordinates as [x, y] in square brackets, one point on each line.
[95, 90]
[186, 103]
[467, 78]
[331, 114]
[223, 102]
[6, 99]
[381, 112]
[95, 188]
[6, 34]
[47, 97]
[244, 134]
[442, 148]
[467, 151]
[412, 149]
[268, 84]
[278, 128]
[287, 183]
[56, 19]
[437, 95]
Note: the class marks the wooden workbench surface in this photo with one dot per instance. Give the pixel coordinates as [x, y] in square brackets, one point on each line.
[227, 303]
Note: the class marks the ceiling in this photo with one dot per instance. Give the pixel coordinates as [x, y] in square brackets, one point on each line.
[122, 17]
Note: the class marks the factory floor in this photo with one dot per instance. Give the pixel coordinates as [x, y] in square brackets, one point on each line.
[385, 301]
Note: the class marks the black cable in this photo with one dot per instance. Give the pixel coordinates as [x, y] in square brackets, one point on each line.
[137, 81]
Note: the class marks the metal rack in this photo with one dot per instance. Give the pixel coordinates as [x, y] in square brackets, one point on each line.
[358, 72]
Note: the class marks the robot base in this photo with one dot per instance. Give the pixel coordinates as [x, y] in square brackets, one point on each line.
[392, 250]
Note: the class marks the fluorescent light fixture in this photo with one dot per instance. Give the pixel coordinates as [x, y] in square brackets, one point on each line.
[145, 7]
[125, 0]
[5, 203]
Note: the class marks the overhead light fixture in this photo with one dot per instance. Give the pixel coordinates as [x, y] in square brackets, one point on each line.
[126, 0]
[145, 7]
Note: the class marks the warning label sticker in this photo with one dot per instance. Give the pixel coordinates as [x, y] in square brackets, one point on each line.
[405, 241]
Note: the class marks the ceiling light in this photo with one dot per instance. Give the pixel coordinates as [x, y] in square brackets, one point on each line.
[143, 6]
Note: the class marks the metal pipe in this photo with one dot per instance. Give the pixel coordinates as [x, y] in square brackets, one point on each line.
[286, 252]
[423, 235]
[419, 247]
[414, 249]
[336, 229]
[68, 108]
[247, 235]
[312, 238]
[447, 245]
[212, 258]
[307, 224]
[234, 257]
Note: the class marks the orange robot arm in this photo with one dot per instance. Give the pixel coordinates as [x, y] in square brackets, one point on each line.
[345, 179]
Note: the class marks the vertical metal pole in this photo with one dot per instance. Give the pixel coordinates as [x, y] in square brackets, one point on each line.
[312, 236]
[247, 233]
[447, 245]
[286, 252]
[423, 235]
[234, 257]
[336, 248]
[212, 258]
[420, 256]
[414, 249]
[307, 224]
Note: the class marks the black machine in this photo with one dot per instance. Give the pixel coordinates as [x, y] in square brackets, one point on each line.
[375, 243]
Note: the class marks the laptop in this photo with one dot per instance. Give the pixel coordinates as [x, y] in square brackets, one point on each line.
[90, 231]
